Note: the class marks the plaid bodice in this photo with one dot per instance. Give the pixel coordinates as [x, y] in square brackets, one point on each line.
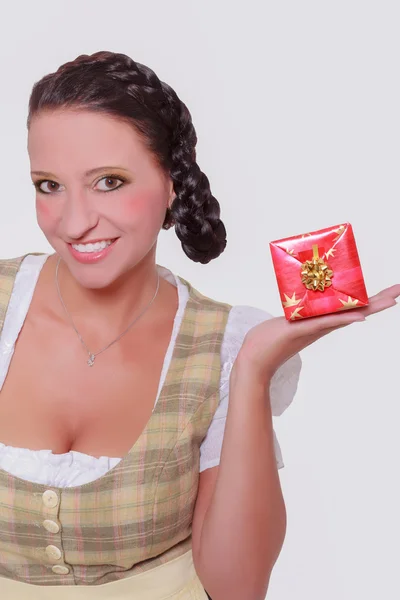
[138, 515]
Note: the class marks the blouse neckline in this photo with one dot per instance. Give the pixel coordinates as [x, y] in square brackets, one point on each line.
[183, 295]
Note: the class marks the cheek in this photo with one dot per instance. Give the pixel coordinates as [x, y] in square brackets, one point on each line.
[144, 209]
[46, 217]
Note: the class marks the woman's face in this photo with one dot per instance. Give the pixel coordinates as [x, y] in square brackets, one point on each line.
[96, 182]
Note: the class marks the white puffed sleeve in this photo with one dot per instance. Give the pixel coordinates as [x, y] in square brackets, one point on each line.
[282, 390]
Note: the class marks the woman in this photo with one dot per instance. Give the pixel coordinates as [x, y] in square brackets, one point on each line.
[114, 481]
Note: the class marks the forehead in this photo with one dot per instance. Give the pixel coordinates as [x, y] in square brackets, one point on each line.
[83, 137]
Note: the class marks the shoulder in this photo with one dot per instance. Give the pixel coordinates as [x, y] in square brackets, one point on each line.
[18, 277]
[206, 303]
[243, 317]
[8, 264]
[11, 264]
[11, 269]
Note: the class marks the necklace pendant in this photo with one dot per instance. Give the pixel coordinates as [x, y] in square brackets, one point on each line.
[90, 362]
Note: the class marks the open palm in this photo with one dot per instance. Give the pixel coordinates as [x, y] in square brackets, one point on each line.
[272, 342]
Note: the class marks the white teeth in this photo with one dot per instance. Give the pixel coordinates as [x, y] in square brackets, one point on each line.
[92, 247]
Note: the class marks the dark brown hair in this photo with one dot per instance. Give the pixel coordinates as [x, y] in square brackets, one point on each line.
[120, 87]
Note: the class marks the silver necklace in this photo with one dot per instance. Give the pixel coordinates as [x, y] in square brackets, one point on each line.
[92, 355]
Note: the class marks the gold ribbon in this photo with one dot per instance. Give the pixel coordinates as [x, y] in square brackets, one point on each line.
[316, 274]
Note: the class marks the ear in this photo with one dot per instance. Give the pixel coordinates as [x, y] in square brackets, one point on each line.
[172, 195]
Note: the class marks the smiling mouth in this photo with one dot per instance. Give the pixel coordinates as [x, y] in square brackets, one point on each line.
[93, 247]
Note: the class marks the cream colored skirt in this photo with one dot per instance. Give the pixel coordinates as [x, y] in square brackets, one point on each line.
[175, 580]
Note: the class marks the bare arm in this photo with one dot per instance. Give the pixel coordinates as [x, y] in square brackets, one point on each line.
[240, 519]
[240, 523]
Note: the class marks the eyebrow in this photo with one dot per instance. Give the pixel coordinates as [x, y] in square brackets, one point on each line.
[87, 173]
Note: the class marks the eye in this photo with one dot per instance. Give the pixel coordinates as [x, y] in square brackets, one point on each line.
[111, 178]
[38, 185]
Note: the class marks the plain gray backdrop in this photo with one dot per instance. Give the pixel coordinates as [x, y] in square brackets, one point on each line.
[296, 107]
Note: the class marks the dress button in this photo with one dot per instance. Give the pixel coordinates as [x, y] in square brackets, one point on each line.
[53, 552]
[50, 499]
[51, 526]
[60, 570]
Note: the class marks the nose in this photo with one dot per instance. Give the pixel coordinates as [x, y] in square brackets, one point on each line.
[78, 216]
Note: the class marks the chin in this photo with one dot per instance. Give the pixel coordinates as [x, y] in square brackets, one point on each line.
[98, 275]
[94, 280]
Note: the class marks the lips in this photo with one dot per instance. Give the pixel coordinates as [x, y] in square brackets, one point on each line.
[92, 257]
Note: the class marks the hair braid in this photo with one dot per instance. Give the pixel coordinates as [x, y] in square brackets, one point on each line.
[194, 211]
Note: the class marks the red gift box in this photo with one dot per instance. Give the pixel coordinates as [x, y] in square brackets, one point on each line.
[319, 272]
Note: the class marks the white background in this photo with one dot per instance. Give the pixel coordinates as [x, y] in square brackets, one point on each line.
[297, 110]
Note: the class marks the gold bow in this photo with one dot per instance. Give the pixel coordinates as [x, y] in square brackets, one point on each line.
[315, 273]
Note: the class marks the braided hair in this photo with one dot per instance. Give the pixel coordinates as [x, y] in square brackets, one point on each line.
[118, 86]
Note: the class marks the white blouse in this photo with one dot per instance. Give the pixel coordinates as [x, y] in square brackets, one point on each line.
[75, 468]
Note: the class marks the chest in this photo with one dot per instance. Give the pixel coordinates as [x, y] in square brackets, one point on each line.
[52, 399]
[140, 512]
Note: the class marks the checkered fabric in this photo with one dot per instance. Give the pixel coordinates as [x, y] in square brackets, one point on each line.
[139, 514]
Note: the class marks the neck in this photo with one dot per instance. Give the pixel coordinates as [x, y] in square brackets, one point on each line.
[115, 305]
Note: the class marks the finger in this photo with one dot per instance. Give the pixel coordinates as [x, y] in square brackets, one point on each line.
[377, 307]
[390, 292]
[359, 314]
[393, 290]
[381, 301]
[318, 326]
